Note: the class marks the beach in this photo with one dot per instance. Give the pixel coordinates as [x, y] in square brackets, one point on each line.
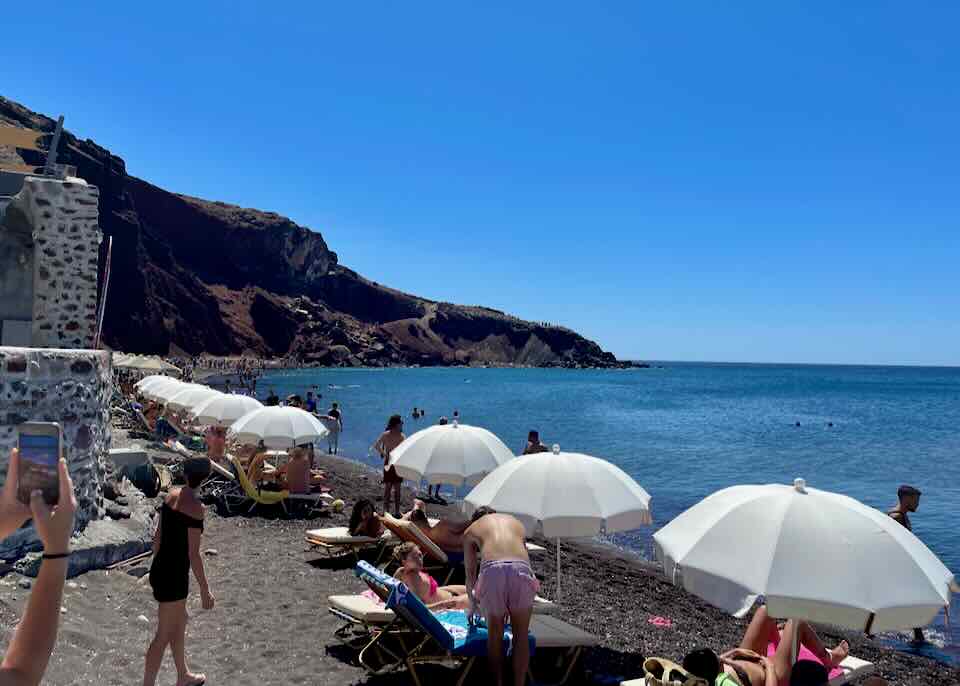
[271, 624]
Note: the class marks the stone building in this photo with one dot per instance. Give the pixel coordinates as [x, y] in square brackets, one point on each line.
[49, 250]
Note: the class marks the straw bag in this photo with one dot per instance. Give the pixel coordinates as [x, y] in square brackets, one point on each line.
[659, 671]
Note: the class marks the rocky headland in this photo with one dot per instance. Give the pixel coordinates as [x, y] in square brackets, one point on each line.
[192, 276]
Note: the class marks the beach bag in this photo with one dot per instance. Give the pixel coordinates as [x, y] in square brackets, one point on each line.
[659, 671]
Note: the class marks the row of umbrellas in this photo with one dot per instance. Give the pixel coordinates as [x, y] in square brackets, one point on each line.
[246, 418]
[811, 554]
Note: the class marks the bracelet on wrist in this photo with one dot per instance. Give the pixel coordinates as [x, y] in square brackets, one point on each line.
[55, 556]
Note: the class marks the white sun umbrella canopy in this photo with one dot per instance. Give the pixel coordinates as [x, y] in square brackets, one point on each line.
[812, 554]
[190, 396]
[566, 495]
[161, 389]
[454, 454]
[147, 381]
[224, 409]
[278, 427]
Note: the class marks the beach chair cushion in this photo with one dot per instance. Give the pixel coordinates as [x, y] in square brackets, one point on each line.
[362, 608]
[340, 535]
[553, 632]
[408, 531]
[852, 668]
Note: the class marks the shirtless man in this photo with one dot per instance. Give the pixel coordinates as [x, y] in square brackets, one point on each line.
[446, 534]
[534, 445]
[908, 500]
[505, 585]
[749, 665]
[390, 439]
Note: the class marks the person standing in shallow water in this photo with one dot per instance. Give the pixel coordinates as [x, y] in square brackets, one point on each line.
[908, 500]
[390, 439]
[176, 550]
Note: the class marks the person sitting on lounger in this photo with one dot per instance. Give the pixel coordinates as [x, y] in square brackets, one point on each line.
[423, 585]
[294, 476]
[764, 656]
[364, 520]
[446, 534]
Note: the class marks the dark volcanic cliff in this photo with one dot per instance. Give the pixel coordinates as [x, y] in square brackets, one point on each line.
[198, 276]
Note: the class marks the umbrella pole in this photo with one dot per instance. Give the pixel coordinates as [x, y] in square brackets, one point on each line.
[558, 569]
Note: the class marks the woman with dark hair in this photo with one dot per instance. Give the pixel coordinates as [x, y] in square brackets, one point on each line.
[364, 520]
[390, 439]
[176, 550]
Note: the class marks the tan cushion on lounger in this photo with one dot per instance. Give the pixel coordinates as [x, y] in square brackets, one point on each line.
[362, 608]
[552, 632]
[338, 535]
[408, 531]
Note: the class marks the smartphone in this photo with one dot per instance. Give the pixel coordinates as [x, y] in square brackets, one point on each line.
[40, 445]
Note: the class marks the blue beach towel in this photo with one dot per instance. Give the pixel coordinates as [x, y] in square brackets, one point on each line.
[449, 628]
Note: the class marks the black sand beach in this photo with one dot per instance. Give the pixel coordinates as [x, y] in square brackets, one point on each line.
[271, 623]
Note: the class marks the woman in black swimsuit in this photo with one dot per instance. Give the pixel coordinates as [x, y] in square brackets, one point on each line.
[176, 550]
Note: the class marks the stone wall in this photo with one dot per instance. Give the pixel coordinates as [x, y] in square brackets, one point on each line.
[55, 287]
[72, 387]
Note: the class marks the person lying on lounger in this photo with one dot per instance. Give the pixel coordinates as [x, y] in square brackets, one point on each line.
[764, 656]
[446, 534]
[423, 585]
[364, 520]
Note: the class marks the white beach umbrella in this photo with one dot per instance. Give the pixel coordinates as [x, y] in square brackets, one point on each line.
[812, 554]
[147, 381]
[161, 390]
[224, 409]
[190, 396]
[566, 495]
[450, 454]
[278, 427]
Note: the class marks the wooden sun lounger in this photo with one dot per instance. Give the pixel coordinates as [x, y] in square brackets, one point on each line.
[853, 668]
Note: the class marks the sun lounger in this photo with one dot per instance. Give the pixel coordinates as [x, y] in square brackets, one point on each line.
[853, 668]
[337, 540]
[449, 639]
[260, 497]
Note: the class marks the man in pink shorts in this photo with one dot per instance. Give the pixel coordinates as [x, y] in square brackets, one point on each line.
[505, 586]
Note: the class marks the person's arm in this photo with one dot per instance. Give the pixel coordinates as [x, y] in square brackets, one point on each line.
[33, 640]
[470, 548]
[194, 535]
[156, 535]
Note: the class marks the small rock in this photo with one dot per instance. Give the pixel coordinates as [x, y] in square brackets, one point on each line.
[83, 587]
[212, 552]
[63, 609]
[25, 583]
[143, 618]
[72, 584]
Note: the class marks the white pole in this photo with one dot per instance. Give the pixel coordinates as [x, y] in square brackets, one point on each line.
[558, 569]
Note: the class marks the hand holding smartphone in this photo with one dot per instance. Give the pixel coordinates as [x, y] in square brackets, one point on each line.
[40, 446]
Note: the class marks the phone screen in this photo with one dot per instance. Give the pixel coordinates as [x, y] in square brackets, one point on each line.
[39, 456]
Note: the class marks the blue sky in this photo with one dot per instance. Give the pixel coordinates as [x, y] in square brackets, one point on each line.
[756, 182]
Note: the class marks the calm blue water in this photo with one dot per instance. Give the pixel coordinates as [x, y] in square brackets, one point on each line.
[684, 430]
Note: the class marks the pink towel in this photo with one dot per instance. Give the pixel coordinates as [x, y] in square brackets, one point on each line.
[804, 654]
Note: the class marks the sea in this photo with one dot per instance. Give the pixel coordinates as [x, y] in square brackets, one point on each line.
[685, 430]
